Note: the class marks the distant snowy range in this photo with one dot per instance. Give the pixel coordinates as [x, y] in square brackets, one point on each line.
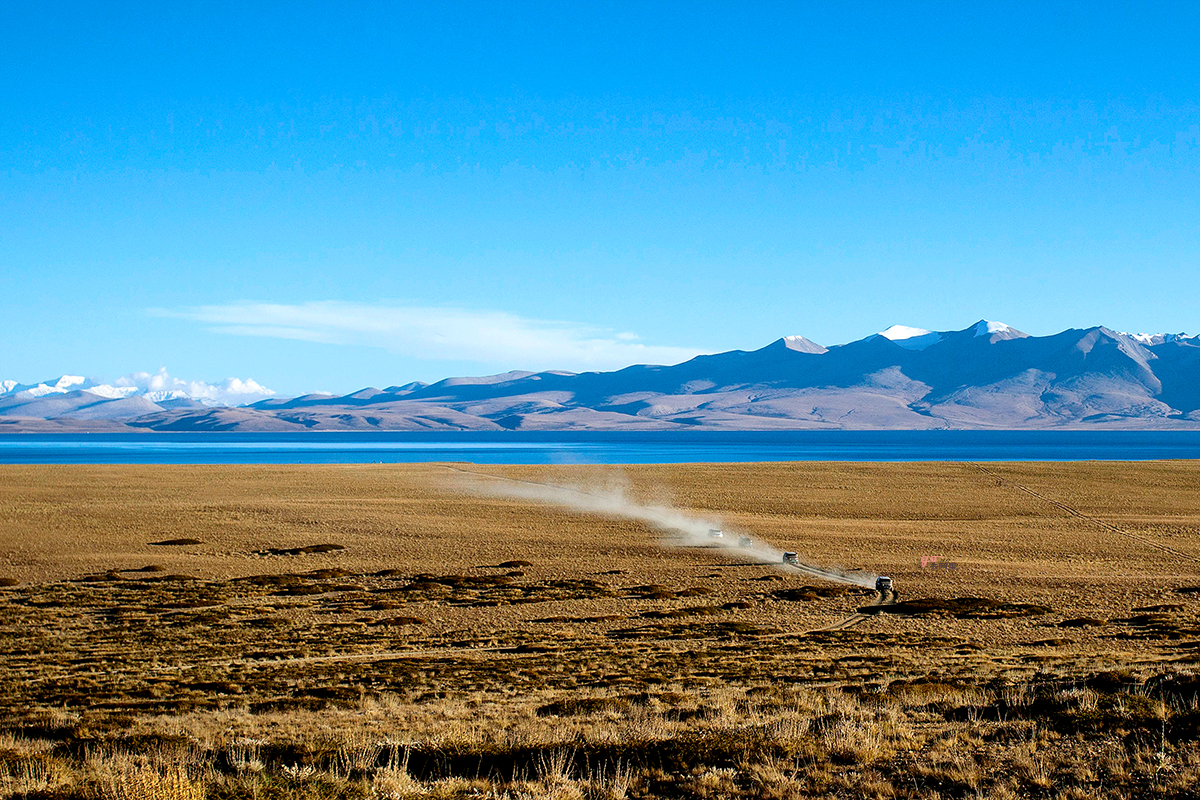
[988, 376]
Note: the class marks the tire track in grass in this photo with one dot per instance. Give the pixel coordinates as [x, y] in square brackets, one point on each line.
[1074, 512]
[842, 624]
[857, 617]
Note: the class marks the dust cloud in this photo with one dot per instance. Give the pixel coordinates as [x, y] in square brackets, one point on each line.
[689, 530]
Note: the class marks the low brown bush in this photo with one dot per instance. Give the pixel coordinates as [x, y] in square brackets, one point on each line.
[304, 550]
[397, 622]
[579, 706]
[960, 607]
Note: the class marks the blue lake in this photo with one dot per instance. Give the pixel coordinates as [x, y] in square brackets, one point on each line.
[595, 447]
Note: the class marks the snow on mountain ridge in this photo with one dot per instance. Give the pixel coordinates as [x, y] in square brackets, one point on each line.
[899, 332]
[66, 383]
[61, 385]
[802, 345]
[1155, 338]
[911, 338]
[986, 326]
[169, 394]
[156, 388]
[111, 392]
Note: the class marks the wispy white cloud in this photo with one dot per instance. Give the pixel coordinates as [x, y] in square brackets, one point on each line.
[492, 338]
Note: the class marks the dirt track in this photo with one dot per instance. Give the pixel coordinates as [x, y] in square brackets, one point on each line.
[1099, 523]
[694, 531]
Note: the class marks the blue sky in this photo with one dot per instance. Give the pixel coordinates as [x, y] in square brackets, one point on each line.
[326, 196]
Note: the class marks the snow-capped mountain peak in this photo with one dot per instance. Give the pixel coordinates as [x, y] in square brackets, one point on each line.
[803, 345]
[987, 326]
[898, 332]
[911, 338]
[66, 383]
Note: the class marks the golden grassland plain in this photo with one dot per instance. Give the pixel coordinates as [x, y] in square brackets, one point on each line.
[380, 631]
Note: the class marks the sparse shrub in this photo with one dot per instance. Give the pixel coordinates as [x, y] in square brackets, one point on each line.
[599, 618]
[33, 775]
[961, 607]
[691, 611]
[383, 605]
[304, 550]
[579, 706]
[810, 593]
[650, 588]
[325, 574]
[1161, 609]
[396, 784]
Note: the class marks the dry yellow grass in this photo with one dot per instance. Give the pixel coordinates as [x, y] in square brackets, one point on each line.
[410, 662]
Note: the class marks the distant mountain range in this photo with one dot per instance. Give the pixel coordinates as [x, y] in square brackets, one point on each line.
[989, 375]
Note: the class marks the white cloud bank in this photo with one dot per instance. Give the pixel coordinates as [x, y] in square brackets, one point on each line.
[486, 337]
[155, 387]
[161, 385]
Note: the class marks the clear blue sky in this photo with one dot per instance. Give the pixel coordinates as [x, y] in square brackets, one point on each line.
[324, 196]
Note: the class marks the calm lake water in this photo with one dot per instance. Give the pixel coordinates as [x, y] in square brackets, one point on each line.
[595, 447]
